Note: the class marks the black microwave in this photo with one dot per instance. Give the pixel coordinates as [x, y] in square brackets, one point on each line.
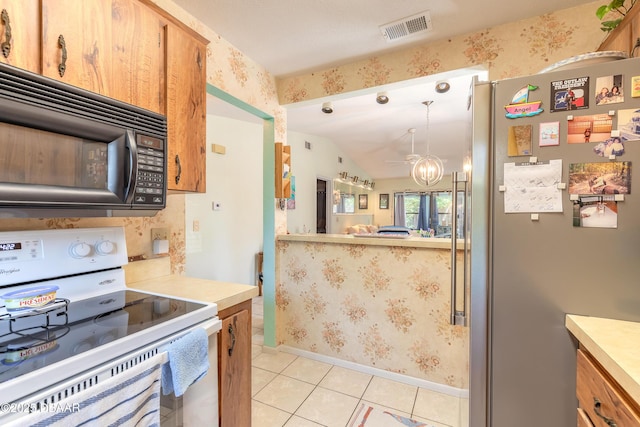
[65, 151]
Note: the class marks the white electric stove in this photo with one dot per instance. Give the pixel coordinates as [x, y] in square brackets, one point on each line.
[94, 326]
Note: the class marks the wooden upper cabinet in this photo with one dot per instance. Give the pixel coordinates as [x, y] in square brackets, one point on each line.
[186, 110]
[138, 55]
[20, 34]
[76, 43]
[624, 37]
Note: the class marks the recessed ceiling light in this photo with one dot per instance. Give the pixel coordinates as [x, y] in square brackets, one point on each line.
[382, 98]
[442, 87]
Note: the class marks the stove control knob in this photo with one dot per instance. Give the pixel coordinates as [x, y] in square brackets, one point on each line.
[79, 250]
[105, 247]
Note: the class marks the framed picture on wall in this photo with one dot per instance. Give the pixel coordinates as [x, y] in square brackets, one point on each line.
[384, 201]
[363, 201]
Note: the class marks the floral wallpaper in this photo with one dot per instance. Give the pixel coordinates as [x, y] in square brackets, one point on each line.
[379, 306]
[510, 50]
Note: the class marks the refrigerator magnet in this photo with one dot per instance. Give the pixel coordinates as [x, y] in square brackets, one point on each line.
[521, 106]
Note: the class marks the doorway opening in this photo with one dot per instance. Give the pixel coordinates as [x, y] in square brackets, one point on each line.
[321, 206]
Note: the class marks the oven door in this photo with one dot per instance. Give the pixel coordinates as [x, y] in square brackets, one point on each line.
[197, 407]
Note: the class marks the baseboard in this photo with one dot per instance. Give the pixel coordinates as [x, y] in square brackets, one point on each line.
[405, 379]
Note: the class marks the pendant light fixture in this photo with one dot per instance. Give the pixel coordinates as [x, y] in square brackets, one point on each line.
[429, 169]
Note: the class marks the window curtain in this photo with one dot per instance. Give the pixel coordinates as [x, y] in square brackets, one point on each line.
[399, 212]
[433, 214]
[423, 212]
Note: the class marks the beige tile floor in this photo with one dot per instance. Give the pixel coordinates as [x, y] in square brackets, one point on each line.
[294, 391]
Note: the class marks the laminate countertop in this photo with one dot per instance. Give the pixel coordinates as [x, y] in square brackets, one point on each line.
[155, 277]
[614, 344]
[370, 240]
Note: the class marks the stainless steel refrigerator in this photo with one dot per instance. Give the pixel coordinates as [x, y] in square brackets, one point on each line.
[533, 265]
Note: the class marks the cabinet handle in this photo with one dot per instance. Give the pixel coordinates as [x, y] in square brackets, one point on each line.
[6, 45]
[179, 166]
[596, 408]
[199, 60]
[233, 339]
[63, 61]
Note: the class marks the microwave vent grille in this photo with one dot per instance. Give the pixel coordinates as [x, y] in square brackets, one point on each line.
[40, 92]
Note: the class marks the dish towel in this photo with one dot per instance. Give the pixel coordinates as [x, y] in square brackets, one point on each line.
[188, 362]
[131, 398]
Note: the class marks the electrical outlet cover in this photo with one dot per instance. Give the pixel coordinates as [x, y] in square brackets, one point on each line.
[159, 234]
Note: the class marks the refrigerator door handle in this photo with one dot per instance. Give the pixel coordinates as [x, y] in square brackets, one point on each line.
[458, 317]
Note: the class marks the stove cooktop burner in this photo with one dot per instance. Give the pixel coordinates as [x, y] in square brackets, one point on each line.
[22, 352]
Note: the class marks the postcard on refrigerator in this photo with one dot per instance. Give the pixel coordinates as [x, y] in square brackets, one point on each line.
[549, 134]
[592, 128]
[519, 141]
[635, 86]
[600, 178]
[570, 94]
[613, 146]
[608, 90]
[629, 124]
[595, 212]
[533, 187]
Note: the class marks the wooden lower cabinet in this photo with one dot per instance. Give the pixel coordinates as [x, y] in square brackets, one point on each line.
[603, 403]
[583, 419]
[234, 361]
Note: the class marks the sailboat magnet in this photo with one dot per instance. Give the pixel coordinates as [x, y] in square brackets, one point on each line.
[521, 106]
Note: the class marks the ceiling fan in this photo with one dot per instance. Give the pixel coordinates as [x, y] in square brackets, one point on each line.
[412, 158]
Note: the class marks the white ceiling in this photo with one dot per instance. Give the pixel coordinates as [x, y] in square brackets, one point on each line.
[290, 37]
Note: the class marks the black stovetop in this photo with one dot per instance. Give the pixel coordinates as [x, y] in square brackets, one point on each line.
[38, 341]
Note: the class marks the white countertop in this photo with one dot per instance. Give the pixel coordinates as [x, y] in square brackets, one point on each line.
[224, 294]
[615, 344]
[154, 275]
[355, 239]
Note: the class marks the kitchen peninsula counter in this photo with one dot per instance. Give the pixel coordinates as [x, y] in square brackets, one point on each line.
[380, 302]
[614, 345]
[360, 239]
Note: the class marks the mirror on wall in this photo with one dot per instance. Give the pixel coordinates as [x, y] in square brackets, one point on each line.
[344, 198]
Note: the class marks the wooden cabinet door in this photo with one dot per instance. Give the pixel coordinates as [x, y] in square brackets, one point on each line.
[138, 55]
[20, 34]
[583, 419]
[186, 111]
[624, 36]
[76, 43]
[601, 398]
[235, 370]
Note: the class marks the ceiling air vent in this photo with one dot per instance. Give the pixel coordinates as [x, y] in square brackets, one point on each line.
[406, 27]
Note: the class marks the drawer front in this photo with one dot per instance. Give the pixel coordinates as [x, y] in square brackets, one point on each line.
[583, 419]
[601, 399]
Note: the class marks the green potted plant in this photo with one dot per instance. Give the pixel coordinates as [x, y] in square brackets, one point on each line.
[617, 6]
